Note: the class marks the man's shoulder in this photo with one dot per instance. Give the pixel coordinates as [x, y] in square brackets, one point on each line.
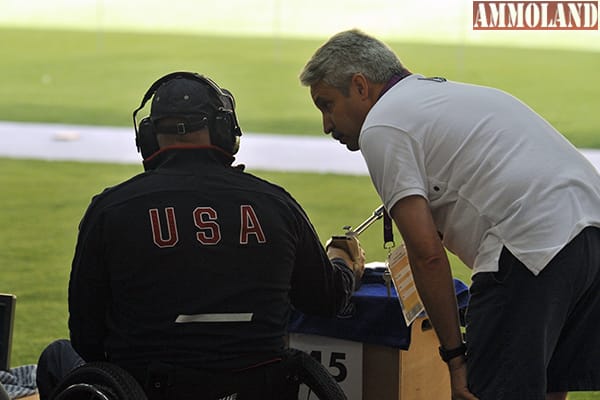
[276, 191]
[112, 193]
[259, 183]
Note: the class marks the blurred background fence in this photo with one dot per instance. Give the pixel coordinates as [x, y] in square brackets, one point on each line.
[438, 21]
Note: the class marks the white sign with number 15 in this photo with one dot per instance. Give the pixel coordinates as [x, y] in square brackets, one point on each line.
[342, 358]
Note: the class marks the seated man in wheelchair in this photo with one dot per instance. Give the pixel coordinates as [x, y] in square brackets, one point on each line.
[185, 274]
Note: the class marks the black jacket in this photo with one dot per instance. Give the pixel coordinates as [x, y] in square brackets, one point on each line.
[194, 239]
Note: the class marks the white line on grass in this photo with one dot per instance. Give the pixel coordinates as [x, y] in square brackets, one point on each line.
[117, 144]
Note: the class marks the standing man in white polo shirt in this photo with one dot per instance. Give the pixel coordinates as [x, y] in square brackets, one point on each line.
[473, 170]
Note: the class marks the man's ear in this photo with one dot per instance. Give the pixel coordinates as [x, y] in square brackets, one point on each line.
[361, 84]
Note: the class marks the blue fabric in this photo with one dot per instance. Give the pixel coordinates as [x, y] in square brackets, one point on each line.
[19, 381]
[374, 317]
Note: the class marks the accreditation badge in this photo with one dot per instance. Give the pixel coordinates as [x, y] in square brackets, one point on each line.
[402, 278]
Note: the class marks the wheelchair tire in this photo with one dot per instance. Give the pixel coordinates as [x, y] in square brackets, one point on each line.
[98, 381]
[314, 375]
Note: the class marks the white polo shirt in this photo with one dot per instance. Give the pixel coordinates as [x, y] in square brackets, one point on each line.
[494, 172]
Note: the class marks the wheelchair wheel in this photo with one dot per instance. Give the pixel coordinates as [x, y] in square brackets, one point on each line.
[84, 391]
[98, 381]
[314, 375]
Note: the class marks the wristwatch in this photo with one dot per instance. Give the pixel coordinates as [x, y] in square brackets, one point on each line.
[449, 354]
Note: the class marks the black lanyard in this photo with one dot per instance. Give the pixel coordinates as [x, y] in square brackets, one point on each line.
[388, 230]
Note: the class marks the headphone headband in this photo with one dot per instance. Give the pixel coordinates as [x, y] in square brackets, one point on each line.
[186, 75]
[224, 128]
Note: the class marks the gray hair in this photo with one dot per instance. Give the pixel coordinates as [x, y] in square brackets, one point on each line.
[346, 54]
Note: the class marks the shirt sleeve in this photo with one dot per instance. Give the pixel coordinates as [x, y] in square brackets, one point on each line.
[319, 286]
[396, 163]
[88, 292]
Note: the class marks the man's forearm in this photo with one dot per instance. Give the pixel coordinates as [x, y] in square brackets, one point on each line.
[433, 279]
[430, 266]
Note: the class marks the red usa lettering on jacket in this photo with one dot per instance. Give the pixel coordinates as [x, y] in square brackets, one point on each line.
[206, 220]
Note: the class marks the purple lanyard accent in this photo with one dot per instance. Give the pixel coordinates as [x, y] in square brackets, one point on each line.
[393, 80]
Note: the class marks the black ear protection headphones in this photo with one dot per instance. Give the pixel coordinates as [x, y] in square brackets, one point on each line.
[223, 126]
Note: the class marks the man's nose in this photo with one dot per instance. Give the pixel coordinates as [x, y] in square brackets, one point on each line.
[328, 125]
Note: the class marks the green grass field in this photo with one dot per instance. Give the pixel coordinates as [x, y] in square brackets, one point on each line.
[99, 78]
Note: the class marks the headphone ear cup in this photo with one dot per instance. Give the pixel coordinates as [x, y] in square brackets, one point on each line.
[223, 134]
[236, 144]
[146, 139]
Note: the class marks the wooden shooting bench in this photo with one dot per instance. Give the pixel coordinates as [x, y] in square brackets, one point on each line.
[372, 353]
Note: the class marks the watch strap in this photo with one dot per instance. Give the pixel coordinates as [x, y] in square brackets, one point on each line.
[449, 354]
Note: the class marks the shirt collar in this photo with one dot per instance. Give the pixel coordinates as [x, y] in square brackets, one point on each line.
[393, 80]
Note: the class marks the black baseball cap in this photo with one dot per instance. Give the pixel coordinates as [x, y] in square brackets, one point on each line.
[182, 96]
